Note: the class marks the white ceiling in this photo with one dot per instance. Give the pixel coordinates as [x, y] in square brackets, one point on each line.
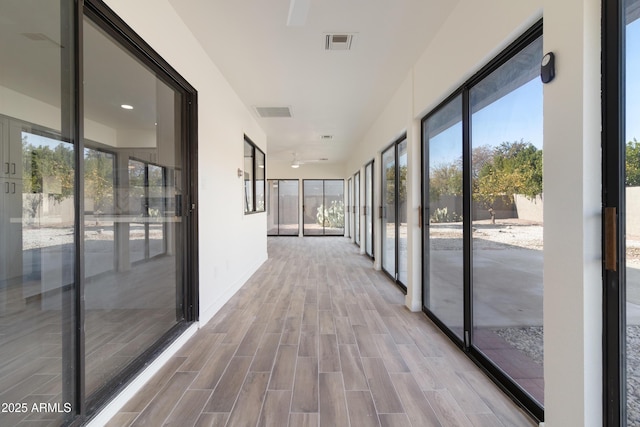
[340, 93]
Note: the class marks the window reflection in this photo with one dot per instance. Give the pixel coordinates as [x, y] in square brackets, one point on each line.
[444, 262]
[133, 235]
[506, 137]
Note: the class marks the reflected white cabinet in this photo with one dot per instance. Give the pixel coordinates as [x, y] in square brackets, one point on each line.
[10, 202]
[11, 149]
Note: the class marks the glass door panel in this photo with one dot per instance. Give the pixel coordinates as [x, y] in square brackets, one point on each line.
[282, 215]
[273, 187]
[333, 208]
[506, 142]
[356, 215]
[402, 212]
[313, 193]
[349, 211]
[444, 260]
[288, 201]
[323, 207]
[131, 307]
[37, 213]
[368, 209]
[389, 210]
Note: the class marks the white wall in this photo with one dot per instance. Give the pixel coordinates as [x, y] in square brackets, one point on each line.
[231, 245]
[572, 233]
[473, 34]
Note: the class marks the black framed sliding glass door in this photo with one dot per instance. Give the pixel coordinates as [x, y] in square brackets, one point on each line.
[356, 208]
[323, 207]
[482, 222]
[368, 209]
[349, 210]
[621, 198]
[145, 291]
[443, 287]
[98, 261]
[282, 207]
[394, 211]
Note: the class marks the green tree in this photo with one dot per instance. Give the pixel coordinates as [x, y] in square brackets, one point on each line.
[516, 168]
[390, 184]
[42, 163]
[98, 179]
[445, 179]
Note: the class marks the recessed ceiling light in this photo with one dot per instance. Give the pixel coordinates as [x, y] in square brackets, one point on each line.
[127, 107]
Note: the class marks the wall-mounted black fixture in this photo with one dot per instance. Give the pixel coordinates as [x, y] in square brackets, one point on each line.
[548, 67]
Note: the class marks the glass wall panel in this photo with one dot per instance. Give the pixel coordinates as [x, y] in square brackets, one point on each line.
[323, 207]
[349, 211]
[389, 210]
[273, 187]
[443, 291]
[356, 215]
[368, 209]
[506, 142]
[288, 200]
[313, 193]
[248, 176]
[37, 213]
[133, 114]
[260, 170]
[282, 215]
[402, 213]
[333, 207]
[632, 214]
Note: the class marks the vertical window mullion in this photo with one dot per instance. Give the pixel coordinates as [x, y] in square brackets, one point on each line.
[467, 189]
[613, 117]
[253, 178]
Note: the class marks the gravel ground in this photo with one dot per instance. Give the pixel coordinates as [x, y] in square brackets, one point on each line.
[526, 339]
[504, 234]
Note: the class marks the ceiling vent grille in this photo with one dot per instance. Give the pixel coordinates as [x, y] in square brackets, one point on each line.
[326, 137]
[338, 41]
[271, 112]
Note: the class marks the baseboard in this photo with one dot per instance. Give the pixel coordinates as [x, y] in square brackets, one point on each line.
[118, 402]
[207, 313]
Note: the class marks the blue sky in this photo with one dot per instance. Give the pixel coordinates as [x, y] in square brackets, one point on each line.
[518, 115]
[515, 116]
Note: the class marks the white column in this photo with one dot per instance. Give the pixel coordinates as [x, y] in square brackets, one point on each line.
[572, 219]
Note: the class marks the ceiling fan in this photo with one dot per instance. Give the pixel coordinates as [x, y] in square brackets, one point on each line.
[296, 162]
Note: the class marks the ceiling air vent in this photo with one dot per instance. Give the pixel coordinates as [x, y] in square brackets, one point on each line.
[338, 41]
[326, 137]
[270, 112]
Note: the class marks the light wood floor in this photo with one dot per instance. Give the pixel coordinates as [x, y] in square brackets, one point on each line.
[318, 338]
